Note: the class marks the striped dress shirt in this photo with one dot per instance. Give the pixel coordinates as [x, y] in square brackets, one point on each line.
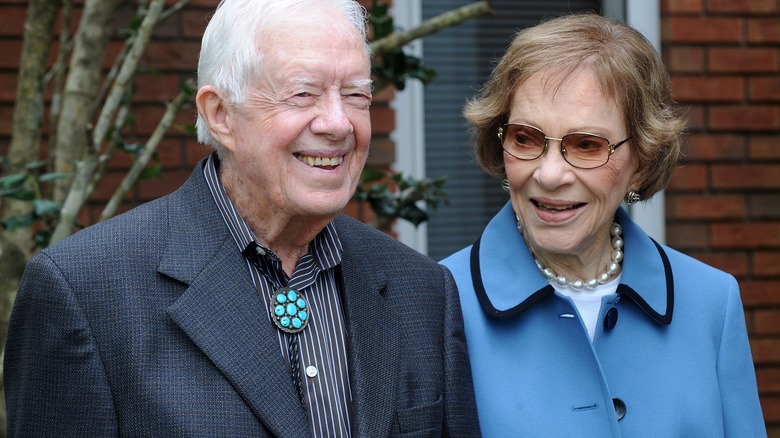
[322, 343]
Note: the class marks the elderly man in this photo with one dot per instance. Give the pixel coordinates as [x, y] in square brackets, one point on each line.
[244, 304]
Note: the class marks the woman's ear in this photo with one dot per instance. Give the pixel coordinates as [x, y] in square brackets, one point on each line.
[213, 109]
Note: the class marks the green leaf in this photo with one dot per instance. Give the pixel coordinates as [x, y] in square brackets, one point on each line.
[153, 171]
[47, 177]
[46, 207]
[369, 175]
[42, 238]
[36, 164]
[20, 194]
[14, 223]
[13, 180]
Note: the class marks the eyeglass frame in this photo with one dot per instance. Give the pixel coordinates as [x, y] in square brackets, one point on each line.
[612, 147]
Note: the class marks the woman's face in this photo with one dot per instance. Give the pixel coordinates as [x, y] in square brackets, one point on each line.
[565, 210]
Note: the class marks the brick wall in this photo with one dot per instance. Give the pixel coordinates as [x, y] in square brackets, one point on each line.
[723, 205]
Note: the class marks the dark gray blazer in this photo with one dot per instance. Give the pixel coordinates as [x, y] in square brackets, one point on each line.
[149, 325]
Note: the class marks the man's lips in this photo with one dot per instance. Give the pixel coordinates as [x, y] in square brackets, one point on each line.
[319, 161]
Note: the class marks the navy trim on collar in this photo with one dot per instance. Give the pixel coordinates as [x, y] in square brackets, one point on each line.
[491, 311]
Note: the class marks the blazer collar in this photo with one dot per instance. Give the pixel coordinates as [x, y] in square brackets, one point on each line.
[507, 281]
[373, 334]
[220, 310]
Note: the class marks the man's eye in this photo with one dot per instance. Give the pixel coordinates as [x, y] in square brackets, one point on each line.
[303, 94]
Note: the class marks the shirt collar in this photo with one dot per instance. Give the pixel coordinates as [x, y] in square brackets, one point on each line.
[325, 249]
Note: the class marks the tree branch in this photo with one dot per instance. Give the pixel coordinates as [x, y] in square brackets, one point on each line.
[435, 24]
[126, 74]
[149, 149]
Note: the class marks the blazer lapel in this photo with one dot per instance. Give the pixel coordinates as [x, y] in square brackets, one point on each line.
[373, 339]
[222, 313]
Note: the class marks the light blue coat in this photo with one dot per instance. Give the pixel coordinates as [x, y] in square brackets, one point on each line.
[677, 357]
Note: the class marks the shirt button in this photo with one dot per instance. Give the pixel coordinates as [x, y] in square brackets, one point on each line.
[311, 371]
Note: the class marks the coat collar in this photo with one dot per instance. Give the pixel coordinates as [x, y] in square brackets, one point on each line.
[220, 312]
[373, 333]
[507, 281]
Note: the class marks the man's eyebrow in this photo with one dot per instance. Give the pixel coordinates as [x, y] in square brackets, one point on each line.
[363, 83]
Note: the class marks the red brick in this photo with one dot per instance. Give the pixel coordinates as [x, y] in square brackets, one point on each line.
[157, 87]
[765, 88]
[751, 235]
[764, 147]
[735, 263]
[703, 207]
[743, 60]
[684, 59]
[689, 177]
[742, 6]
[745, 117]
[765, 322]
[765, 351]
[382, 152]
[745, 176]
[12, 21]
[701, 30]
[697, 116]
[764, 206]
[708, 147]
[382, 120]
[172, 55]
[681, 6]
[8, 87]
[768, 378]
[108, 185]
[194, 23]
[767, 263]
[167, 183]
[760, 292]
[708, 88]
[686, 236]
[770, 407]
[11, 50]
[6, 120]
[195, 152]
[764, 30]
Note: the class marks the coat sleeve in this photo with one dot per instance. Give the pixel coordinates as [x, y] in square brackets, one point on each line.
[460, 408]
[54, 379]
[742, 415]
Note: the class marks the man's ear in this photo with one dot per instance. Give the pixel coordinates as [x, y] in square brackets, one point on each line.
[213, 109]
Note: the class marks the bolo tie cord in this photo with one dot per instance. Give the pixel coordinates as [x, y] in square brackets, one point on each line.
[291, 333]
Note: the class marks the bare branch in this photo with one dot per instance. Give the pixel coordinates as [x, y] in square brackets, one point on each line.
[149, 149]
[84, 72]
[174, 9]
[431, 26]
[126, 74]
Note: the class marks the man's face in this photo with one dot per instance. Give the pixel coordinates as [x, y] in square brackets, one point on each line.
[300, 139]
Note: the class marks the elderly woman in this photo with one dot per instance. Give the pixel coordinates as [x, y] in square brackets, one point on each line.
[578, 323]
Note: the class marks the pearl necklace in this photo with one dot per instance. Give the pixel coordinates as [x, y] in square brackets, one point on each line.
[613, 267]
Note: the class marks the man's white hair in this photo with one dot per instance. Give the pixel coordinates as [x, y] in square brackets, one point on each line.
[229, 57]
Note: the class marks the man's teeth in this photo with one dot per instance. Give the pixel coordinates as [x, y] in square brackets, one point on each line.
[320, 161]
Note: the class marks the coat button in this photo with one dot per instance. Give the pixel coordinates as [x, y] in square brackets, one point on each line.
[610, 319]
[620, 408]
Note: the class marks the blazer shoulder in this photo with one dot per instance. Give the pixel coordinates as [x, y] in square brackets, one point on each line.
[361, 240]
